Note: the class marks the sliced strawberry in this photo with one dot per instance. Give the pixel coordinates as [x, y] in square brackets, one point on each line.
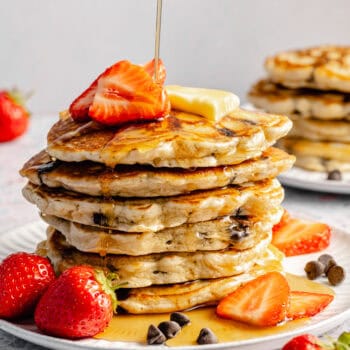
[298, 237]
[79, 108]
[125, 92]
[149, 68]
[305, 304]
[284, 221]
[260, 302]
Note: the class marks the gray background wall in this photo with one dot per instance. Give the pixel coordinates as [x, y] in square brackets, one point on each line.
[56, 48]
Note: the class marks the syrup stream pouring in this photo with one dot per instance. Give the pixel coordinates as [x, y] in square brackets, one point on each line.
[157, 42]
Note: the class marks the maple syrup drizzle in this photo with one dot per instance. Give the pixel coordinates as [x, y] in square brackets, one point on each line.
[133, 328]
[157, 41]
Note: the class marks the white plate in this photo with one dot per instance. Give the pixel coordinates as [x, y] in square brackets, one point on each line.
[315, 181]
[310, 180]
[26, 238]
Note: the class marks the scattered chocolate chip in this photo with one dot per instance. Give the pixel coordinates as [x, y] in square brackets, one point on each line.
[334, 175]
[314, 269]
[169, 328]
[155, 336]
[327, 261]
[206, 336]
[336, 275]
[179, 318]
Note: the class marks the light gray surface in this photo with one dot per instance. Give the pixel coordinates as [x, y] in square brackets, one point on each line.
[56, 48]
[15, 211]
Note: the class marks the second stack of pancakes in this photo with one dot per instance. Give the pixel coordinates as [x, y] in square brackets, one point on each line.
[181, 210]
[312, 87]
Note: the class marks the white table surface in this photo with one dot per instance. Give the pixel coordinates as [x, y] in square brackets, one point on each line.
[15, 211]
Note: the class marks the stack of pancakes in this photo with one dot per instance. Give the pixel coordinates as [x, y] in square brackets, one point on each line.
[312, 87]
[180, 210]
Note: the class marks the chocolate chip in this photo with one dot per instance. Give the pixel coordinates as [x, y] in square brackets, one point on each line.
[327, 261]
[155, 336]
[314, 269]
[47, 167]
[237, 235]
[100, 219]
[226, 132]
[179, 318]
[206, 336]
[169, 328]
[336, 275]
[334, 175]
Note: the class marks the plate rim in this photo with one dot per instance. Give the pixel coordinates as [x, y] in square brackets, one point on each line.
[52, 342]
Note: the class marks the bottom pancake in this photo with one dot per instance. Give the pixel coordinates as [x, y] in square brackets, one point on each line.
[178, 297]
[318, 156]
[240, 232]
[146, 270]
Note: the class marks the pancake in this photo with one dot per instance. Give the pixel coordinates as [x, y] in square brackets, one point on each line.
[180, 140]
[146, 270]
[320, 130]
[305, 103]
[240, 233]
[176, 297]
[130, 181]
[322, 67]
[144, 215]
[318, 156]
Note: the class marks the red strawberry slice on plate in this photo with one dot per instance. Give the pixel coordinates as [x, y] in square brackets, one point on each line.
[305, 304]
[296, 237]
[260, 302]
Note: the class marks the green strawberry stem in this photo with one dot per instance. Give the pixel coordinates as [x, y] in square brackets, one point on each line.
[19, 98]
[107, 284]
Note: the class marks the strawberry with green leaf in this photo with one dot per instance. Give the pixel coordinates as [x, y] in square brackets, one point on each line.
[80, 303]
[14, 117]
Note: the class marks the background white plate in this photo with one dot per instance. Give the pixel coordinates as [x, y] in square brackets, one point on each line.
[26, 238]
[315, 181]
[310, 180]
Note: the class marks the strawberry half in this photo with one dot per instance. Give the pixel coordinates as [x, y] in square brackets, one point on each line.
[149, 68]
[296, 237]
[260, 302]
[284, 221]
[305, 304]
[79, 108]
[126, 92]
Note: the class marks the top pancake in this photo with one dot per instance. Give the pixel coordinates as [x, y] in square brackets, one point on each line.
[322, 67]
[180, 140]
[306, 103]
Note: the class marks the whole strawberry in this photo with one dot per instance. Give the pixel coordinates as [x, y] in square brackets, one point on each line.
[14, 118]
[80, 303]
[303, 342]
[24, 278]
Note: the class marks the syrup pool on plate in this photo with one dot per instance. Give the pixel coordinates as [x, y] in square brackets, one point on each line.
[133, 328]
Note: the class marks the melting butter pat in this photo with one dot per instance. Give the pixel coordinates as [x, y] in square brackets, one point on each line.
[209, 103]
